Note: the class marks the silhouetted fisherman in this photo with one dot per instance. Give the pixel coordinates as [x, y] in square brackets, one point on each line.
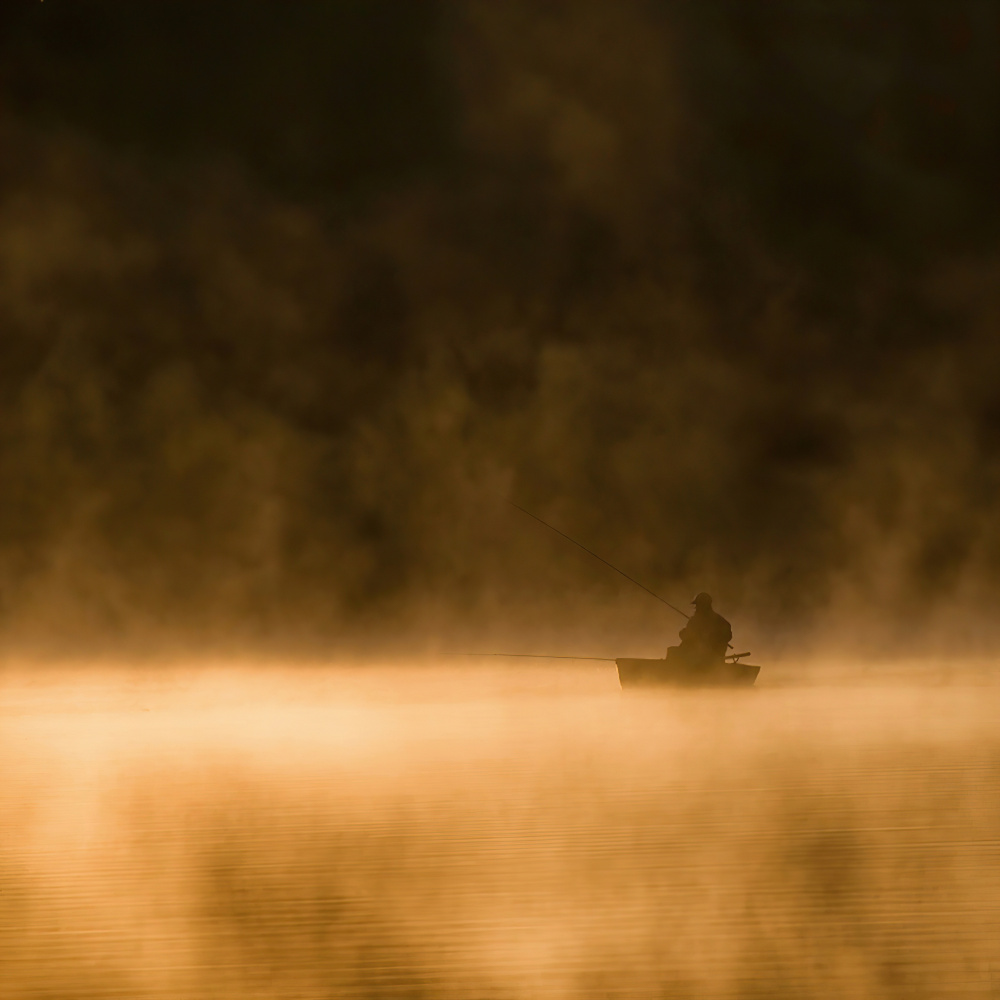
[704, 639]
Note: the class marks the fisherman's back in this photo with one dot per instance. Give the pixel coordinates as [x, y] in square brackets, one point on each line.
[705, 637]
[709, 629]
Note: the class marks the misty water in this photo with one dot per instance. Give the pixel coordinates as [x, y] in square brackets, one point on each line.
[320, 832]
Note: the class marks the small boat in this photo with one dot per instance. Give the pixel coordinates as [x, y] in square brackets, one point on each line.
[648, 673]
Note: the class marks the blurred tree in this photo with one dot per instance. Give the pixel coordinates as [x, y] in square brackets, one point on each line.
[852, 125]
[321, 99]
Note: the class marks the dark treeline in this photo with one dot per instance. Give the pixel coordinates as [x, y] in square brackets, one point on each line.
[292, 296]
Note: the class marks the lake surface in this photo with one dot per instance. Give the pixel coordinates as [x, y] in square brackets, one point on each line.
[498, 833]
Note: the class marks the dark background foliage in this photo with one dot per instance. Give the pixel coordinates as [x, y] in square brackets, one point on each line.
[293, 296]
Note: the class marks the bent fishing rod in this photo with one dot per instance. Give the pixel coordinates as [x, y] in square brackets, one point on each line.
[600, 559]
[542, 656]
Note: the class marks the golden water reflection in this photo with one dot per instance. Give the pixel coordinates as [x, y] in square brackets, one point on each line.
[498, 833]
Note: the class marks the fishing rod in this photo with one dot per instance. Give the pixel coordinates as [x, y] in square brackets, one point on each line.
[544, 656]
[603, 659]
[600, 559]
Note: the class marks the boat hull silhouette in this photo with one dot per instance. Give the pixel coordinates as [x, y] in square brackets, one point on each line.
[651, 673]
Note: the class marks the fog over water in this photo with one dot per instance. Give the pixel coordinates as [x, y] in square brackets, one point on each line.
[297, 298]
[430, 831]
